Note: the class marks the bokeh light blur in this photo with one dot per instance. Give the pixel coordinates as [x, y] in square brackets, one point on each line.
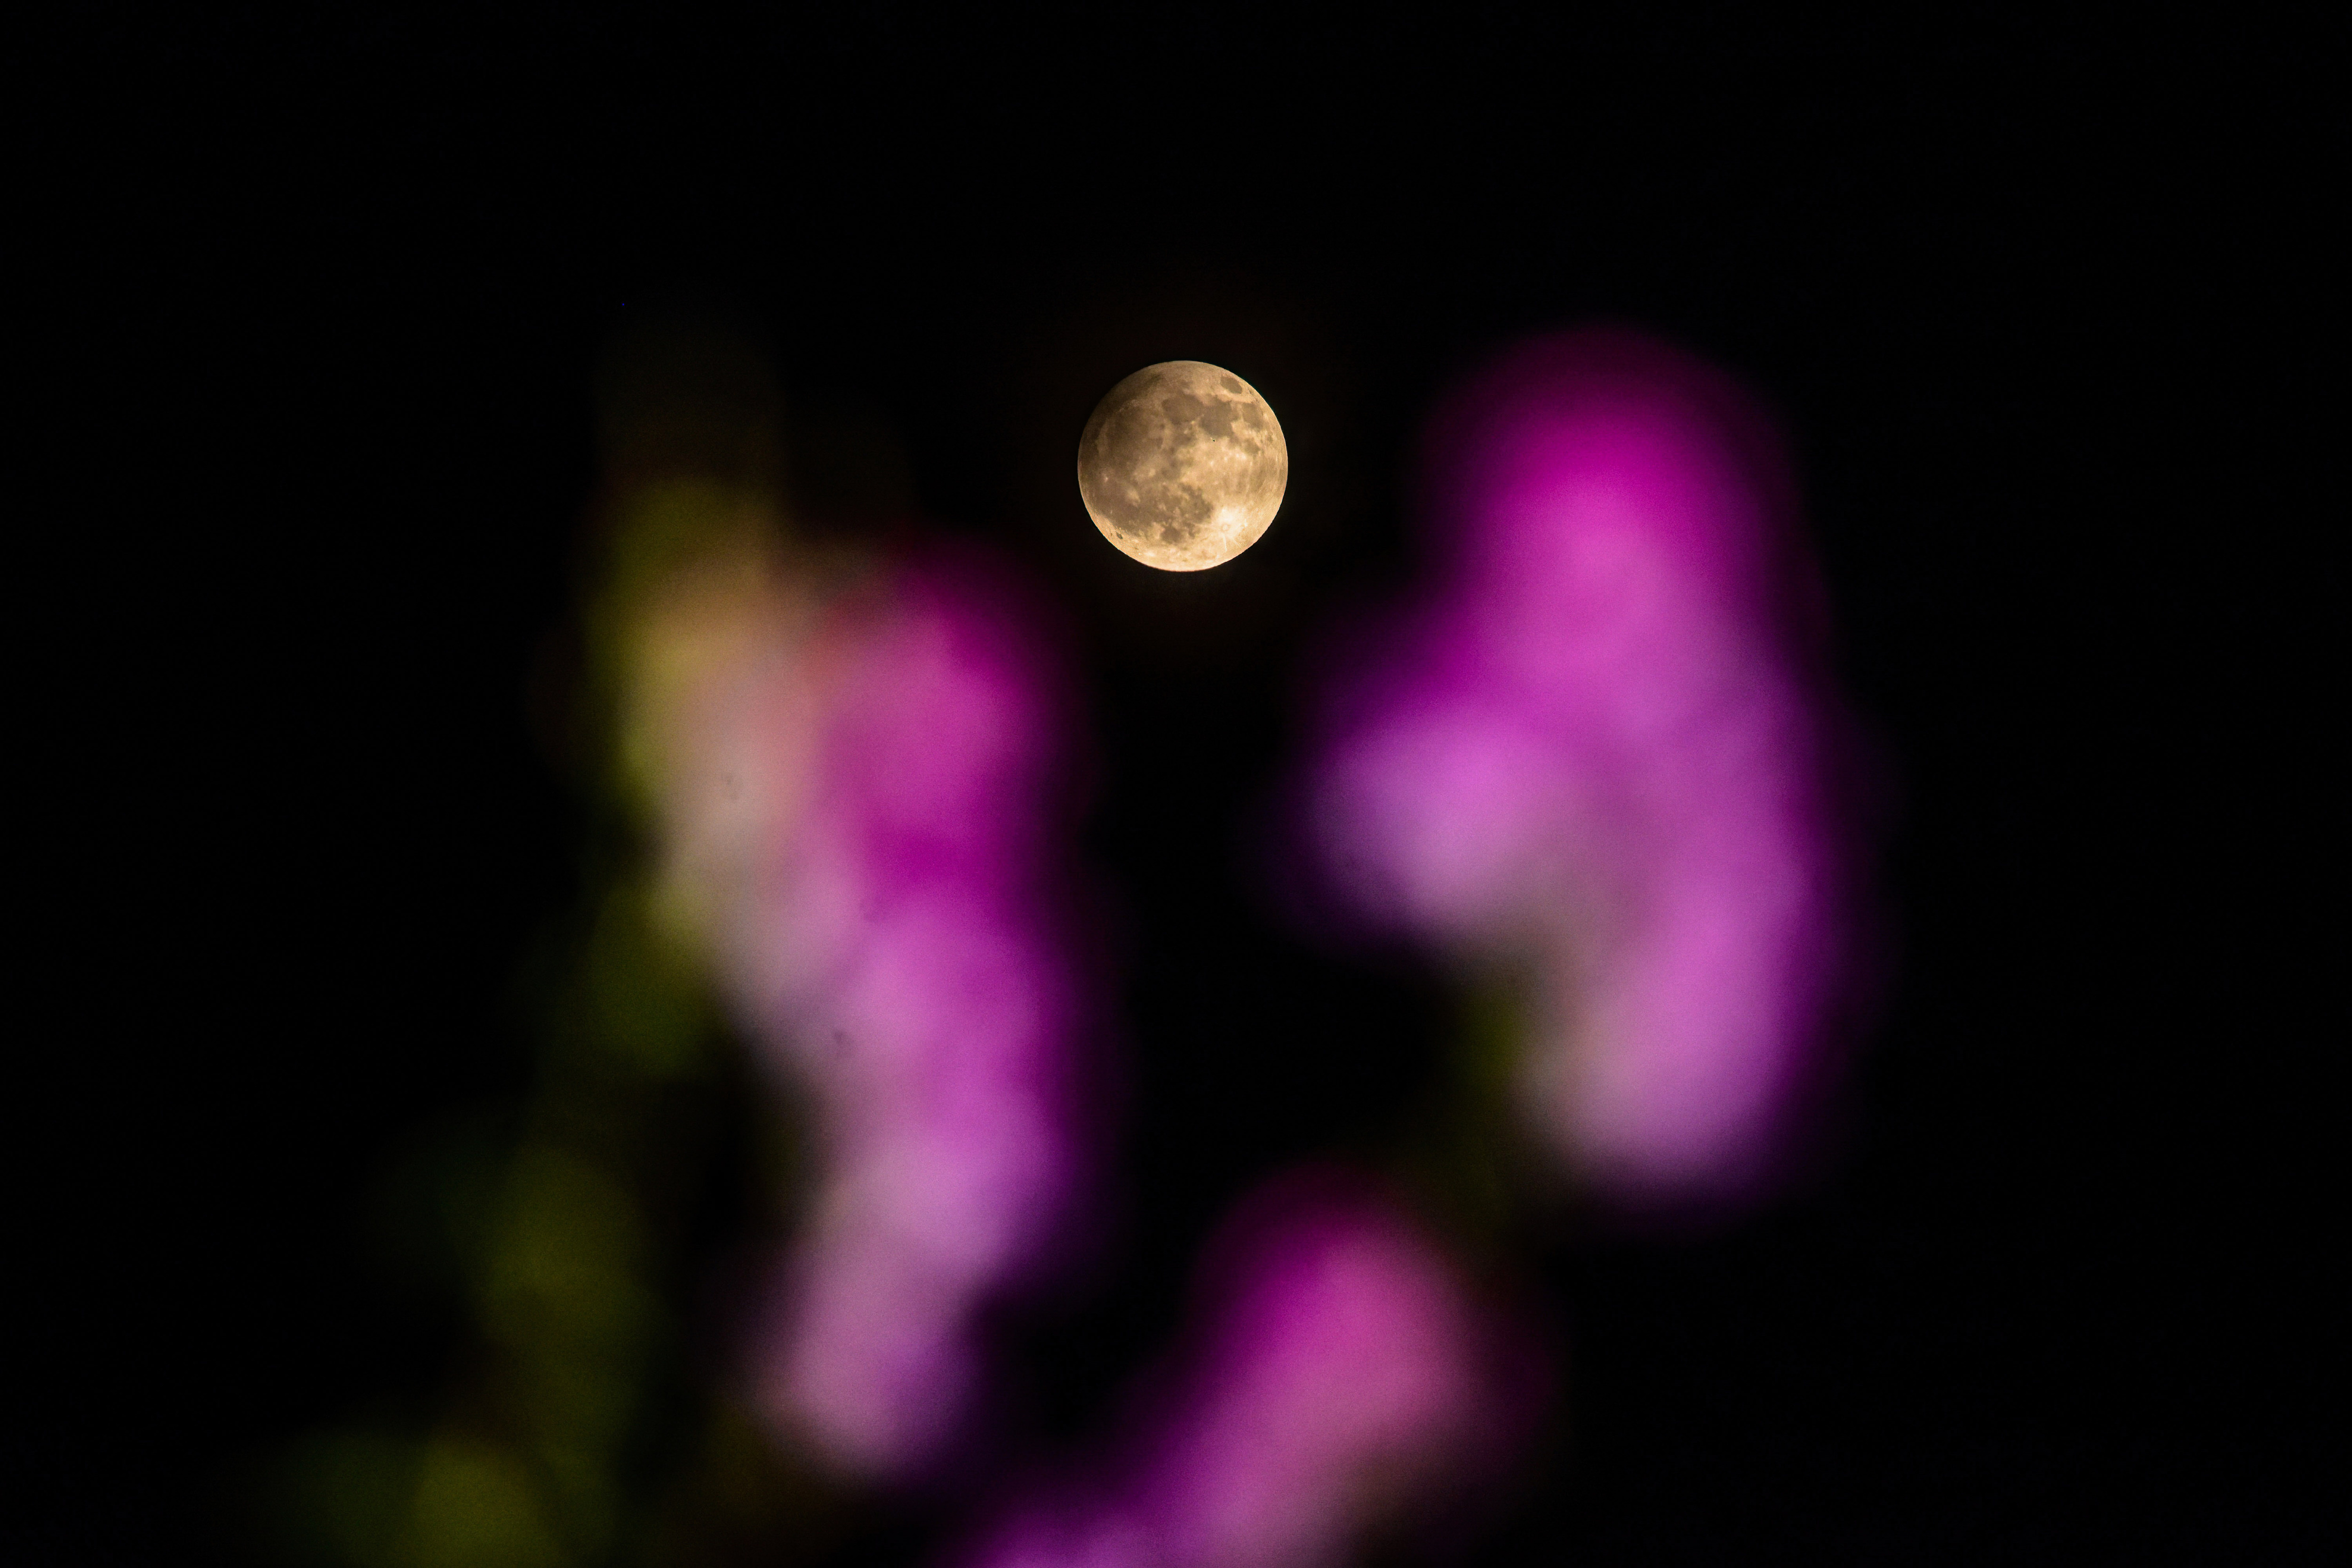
[1337, 1378]
[847, 762]
[1593, 762]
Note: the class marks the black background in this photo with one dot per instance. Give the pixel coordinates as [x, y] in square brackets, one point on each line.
[2024, 290]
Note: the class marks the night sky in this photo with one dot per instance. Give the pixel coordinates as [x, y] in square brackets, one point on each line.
[2020, 286]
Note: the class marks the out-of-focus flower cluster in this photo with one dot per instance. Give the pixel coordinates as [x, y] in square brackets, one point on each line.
[850, 767]
[1594, 757]
[1337, 1373]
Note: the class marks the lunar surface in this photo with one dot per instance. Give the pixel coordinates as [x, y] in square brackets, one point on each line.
[1182, 465]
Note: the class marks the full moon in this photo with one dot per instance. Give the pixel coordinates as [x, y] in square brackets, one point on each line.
[1182, 465]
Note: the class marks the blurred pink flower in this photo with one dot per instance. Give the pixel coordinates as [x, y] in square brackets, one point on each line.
[1337, 1378]
[1595, 755]
[857, 814]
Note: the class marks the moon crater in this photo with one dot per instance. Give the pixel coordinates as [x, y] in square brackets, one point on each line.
[1182, 465]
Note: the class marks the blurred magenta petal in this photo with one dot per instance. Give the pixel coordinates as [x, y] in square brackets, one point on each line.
[857, 814]
[1339, 1379]
[1596, 754]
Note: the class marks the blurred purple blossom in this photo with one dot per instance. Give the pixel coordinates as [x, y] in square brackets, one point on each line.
[1596, 756]
[857, 802]
[1337, 1377]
